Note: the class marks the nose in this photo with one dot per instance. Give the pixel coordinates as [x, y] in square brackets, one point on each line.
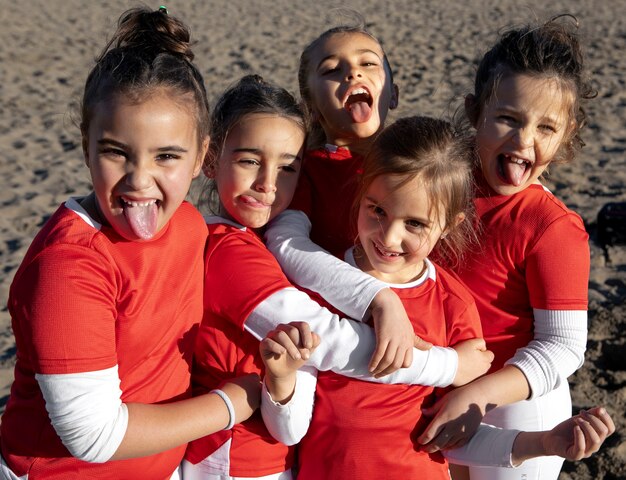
[390, 234]
[354, 71]
[139, 175]
[265, 181]
[524, 137]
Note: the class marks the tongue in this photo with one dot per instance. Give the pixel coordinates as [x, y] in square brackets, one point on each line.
[360, 111]
[514, 172]
[142, 220]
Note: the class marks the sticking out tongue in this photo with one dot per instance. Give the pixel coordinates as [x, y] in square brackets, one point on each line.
[142, 219]
[513, 172]
[360, 111]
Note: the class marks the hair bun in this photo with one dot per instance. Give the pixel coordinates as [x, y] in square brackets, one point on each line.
[152, 32]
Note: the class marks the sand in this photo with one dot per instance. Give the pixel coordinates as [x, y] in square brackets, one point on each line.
[47, 47]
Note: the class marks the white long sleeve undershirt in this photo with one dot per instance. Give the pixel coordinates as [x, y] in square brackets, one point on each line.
[86, 412]
[347, 345]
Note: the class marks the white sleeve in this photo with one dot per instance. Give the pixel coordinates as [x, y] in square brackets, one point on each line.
[347, 345]
[86, 411]
[557, 350]
[490, 446]
[312, 267]
[289, 422]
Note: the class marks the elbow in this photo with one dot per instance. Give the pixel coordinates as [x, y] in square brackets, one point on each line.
[90, 441]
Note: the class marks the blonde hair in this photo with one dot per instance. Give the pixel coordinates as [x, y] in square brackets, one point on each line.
[441, 156]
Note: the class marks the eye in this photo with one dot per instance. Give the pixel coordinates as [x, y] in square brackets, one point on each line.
[414, 224]
[509, 119]
[248, 162]
[328, 69]
[547, 128]
[164, 157]
[289, 168]
[111, 152]
[376, 210]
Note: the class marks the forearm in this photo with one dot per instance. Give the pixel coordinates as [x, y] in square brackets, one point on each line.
[490, 446]
[527, 445]
[505, 386]
[308, 265]
[346, 345]
[289, 421]
[156, 428]
[556, 351]
[87, 413]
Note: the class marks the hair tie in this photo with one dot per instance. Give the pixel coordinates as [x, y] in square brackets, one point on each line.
[163, 9]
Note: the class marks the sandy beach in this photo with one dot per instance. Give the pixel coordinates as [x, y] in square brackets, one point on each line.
[47, 48]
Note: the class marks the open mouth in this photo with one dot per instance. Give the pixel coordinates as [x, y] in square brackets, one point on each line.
[142, 216]
[359, 104]
[513, 170]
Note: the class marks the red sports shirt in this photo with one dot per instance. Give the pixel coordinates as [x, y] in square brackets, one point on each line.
[534, 254]
[366, 430]
[326, 191]
[85, 299]
[240, 274]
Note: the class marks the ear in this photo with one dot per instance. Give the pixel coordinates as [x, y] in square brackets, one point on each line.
[455, 223]
[459, 219]
[201, 159]
[395, 97]
[471, 109]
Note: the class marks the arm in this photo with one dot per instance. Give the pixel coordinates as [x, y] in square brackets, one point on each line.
[347, 345]
[87, 413]
[312, 267]
[574, 439]
[289, 387]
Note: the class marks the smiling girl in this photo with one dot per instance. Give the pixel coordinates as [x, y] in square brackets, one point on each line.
[108, 296]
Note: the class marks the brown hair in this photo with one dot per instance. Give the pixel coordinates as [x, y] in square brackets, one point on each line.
[550, 50]
[149, 50]
[317, 135]
[441, 156]
[250, 95]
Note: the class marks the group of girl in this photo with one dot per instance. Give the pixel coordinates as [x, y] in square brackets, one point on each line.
[148, 336]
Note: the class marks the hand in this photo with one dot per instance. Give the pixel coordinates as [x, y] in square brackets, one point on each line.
[579, 436]
[245, 395]
[474, 360]
[283, 353]
[456, 417]
[286, 348]
[395, 337]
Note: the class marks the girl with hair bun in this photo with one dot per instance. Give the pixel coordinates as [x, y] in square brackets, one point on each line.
[106, 301]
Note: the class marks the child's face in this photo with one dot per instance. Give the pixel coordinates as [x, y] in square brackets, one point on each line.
[397, 228]
[257, 172]
[142, 157]
[519, 131]
[350, 88]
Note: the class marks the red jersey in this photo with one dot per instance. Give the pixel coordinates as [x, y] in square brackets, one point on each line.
[534, 254]
[326, 191]
[367, 430]
[85, 299]
[240, 273]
